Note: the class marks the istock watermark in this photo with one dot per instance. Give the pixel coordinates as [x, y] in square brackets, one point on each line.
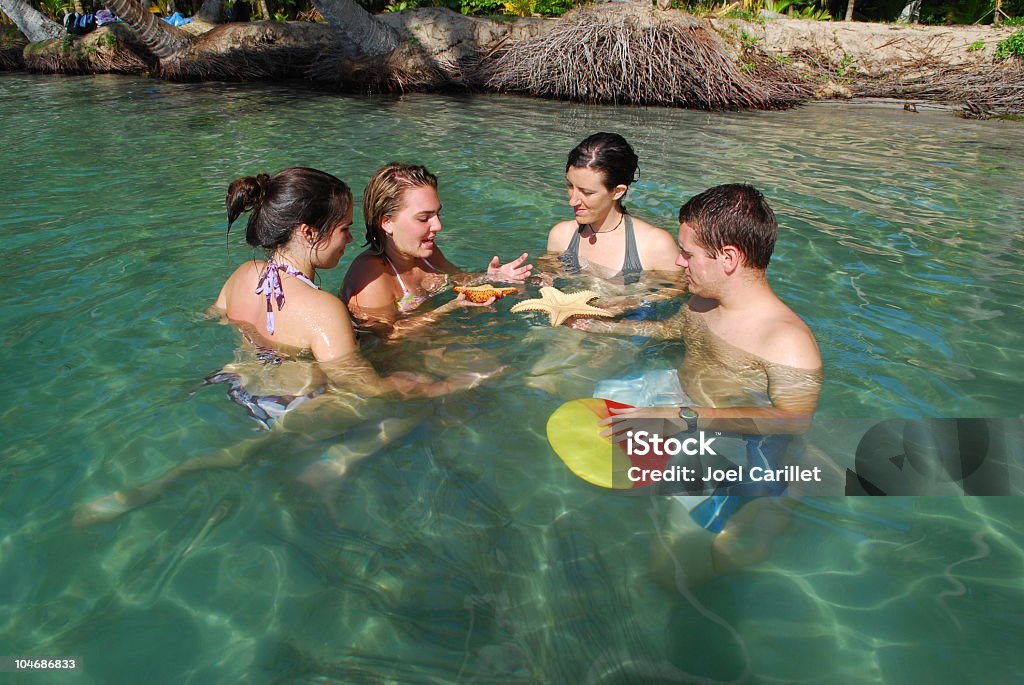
[647, 444]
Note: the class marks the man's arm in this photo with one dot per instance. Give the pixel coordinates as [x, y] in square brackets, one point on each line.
[669, 329]
[794, 397]
[792, 390]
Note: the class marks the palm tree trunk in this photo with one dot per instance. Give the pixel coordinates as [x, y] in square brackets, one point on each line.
[264, 10]
[34, 24]
[162, 39]
[79, 7]
[211, 11]
[358, 32]
[849, 10]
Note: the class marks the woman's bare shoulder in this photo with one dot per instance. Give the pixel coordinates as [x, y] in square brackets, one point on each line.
[366, 265]
[250, 268]
[369, 283]
[658, 249]
[560, 235]
[644, 228]
[244, 277]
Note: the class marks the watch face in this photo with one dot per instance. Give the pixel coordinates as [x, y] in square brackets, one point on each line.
[687, 413]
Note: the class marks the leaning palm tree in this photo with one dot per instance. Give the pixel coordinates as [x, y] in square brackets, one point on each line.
[159, 37]
[211, 11]
[34, 24]
[359, 33]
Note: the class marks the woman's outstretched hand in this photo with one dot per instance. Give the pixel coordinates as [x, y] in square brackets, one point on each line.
[516, 270]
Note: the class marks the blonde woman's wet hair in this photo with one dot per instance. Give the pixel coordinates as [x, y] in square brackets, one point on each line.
[383, 196]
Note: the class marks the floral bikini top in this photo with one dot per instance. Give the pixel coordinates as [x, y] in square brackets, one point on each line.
[269, 286]
[410, 300]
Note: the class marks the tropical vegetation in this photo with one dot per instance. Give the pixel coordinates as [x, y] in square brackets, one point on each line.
[930, 11]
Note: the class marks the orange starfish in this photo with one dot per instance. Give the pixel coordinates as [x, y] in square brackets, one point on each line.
[482, 293]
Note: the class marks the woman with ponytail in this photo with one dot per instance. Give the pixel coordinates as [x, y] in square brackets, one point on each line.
[302, 220]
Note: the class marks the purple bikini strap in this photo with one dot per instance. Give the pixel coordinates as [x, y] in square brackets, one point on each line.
[269, 286]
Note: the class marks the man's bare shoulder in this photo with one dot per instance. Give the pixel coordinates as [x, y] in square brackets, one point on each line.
[789, 341]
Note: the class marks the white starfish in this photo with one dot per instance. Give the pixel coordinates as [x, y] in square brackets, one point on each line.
[561, 306]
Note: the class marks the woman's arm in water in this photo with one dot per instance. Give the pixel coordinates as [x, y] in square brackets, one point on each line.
[334, 345]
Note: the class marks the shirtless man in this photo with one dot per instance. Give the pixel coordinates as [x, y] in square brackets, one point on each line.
[726, 238]
[752, 365]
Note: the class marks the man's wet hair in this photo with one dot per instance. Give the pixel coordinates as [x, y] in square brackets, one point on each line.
[733, 214]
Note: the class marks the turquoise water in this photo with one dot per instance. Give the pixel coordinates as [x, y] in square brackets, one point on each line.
[464, 551]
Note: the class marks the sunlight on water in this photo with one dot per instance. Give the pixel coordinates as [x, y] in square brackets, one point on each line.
[464, 551]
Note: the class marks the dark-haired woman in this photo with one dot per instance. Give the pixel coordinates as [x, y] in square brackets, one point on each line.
[403, 266]
[603, 237]
[302, 220]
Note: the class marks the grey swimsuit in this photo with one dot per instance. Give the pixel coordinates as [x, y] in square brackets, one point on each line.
[631, 266]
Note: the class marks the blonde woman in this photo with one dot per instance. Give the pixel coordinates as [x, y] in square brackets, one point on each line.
[403, 265]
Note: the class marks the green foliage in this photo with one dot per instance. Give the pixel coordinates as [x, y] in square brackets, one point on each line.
[814, 14]
[555, 8]
[745, 15]
[402, 5]
[938, 12]
[956, 12]
[1013, 21]
[976, 46]
[748, 42]
[481, 6]
[162, 7]
[286, 10]
[520, 8]
[1013, 46]
[750, 10]
[107, 41]
[846, 64]
[698, 8]
[56, 9]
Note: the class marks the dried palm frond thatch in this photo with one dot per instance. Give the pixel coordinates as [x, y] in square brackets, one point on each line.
[983, 90]
[12, 43]
[407, 68]
[631, 54]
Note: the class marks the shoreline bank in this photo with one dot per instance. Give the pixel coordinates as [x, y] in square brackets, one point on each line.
[804, 59]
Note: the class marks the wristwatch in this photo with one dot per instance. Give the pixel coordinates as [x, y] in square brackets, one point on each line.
[690, 416]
